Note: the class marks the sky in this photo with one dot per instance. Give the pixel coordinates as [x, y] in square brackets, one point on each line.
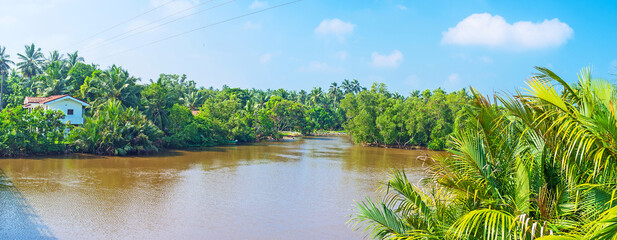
[408, 45]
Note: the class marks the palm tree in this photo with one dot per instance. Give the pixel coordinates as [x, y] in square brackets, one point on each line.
[355, 86]
[347, 87]
[302, 97]
[55, 56]
[415, 93]
[73, 58]
[334, 93]
[53, 81]
[192, 100]
[30, 64]
[316, 96]
[540, 164]
[5, 63]
[114, 83]
[260, 99]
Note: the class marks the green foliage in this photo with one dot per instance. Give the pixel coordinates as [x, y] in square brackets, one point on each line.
[25, 133]
[114, 83]
[225, 115]
[116, 130]
[279, 115]
[226, 111]
[54, 81]
[379, 117]
[539, 165]
[31, 61]
[77, 75]
[187, 131]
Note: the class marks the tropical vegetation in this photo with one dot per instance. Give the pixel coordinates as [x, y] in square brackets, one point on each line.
[31, 133]
[541, 164]
[116, 130]
[130, 117]
[379, 117]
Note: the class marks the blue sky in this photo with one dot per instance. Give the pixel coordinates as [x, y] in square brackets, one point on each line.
[409, 45]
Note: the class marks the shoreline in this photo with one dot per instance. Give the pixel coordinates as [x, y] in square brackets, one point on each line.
[164, 151]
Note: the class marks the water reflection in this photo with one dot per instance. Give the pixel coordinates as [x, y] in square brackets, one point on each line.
[300, 189]
[18, 220]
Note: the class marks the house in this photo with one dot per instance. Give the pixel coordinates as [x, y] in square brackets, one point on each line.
[72, 108]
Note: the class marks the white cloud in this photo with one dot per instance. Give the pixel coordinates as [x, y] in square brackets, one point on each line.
[321, 67]
[335, 27]
[265, 58]
[493, 31]
[251, 26]
[387, 61]
[401, 7]
[614, 63]
[258, 4]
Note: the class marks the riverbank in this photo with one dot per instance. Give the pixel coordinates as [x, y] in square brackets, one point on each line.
[317, 133]
[68, 149]
[407, 147]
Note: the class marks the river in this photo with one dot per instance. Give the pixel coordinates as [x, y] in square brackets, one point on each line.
[298, 189]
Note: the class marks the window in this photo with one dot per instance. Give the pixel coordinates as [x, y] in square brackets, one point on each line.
[69, 112]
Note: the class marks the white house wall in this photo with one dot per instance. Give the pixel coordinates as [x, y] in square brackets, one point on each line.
[65, 104]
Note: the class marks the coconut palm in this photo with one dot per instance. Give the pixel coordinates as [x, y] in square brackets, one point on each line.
[334, 92]
[5, 66]
[355, 86]
[73, 58]
[316, 96]
[31, 61]
[541, 164]
[55, 56]
[347, 86]
[192, 100]
[302, 97]
[114, 83]
[53, 81]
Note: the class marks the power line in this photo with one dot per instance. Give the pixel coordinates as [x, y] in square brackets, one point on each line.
[200, 28]
[111, 40]
[123, 22]
[105, 43]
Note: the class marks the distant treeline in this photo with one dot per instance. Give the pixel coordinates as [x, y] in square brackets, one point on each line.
[172, 112]
[426, 119]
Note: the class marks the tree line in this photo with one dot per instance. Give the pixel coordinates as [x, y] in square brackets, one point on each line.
[130, 117]
[379, 117]
[541, 164]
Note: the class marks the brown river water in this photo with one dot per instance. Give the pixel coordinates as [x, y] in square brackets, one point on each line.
[298, 189]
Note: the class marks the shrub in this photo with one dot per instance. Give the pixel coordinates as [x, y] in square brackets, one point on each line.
[116, 130]
[24, 133]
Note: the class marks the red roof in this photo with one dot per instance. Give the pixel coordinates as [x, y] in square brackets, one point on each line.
[43, 100]
[34, 99]
[195, 112]
[54, 97]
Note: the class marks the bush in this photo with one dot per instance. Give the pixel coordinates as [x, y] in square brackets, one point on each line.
[116, 130]
[23, 133]
[187, 131]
